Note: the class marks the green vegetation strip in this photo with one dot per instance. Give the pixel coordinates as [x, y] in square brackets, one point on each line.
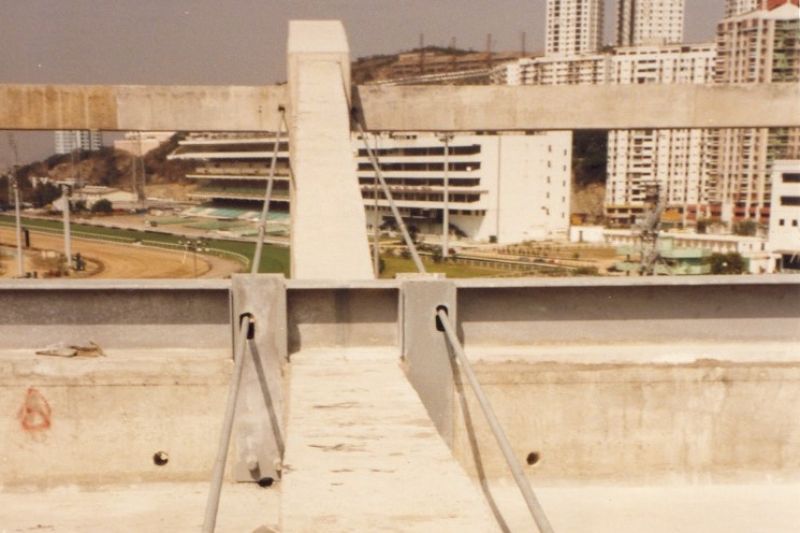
[274, 259]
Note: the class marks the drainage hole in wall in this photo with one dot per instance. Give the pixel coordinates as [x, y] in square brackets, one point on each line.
[160, 458]
[265, 482]
[532, 458]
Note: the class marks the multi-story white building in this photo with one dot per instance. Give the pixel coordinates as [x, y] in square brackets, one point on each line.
[738, 7]
[501, 188]
[784, 222]
[67, 141]
[759, 46]
[649, 22]
[573, 27]
[588, 69]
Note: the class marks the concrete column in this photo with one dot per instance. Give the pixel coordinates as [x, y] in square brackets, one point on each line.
[329, 228]
[260, 428]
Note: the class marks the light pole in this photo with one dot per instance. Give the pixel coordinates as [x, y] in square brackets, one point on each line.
[194, 245]
[67, 238]
[446, 211]
[18, 217]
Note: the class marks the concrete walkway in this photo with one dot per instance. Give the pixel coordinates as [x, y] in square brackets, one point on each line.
[362, 454]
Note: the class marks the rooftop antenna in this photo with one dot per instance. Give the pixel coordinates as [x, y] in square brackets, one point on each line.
[524, 35]
[489, 50]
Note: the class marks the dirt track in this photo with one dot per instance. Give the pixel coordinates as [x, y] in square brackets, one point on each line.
[125, 261]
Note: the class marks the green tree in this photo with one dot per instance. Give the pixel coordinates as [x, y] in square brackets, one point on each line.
[731, 263]
[44, 194]
[746, 228]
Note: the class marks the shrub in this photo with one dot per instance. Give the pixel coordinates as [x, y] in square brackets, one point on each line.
[102, 206]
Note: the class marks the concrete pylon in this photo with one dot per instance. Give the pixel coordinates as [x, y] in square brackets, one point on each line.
[329, 235]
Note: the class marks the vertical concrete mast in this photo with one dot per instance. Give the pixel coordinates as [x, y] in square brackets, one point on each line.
[329, 235]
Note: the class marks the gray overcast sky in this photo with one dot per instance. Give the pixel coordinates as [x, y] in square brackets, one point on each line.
[244, 41]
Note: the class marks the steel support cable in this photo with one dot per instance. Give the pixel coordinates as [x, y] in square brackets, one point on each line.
[402, 225]
[212, 503]
[262, 221]
[505, 446]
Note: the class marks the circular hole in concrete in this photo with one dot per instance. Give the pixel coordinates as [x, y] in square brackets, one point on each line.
[265, 482]
[160, 458]
[532, 458]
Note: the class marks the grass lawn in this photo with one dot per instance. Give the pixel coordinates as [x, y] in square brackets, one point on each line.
[396, 265]
[274, 259]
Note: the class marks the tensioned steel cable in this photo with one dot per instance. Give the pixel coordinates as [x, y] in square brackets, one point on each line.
[505, 446]
[212, 504]
[262, 221]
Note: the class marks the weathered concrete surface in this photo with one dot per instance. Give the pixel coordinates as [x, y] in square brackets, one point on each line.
[174, 507]
[342, 316]
[442, 108]
[362, 454]
[116, 314]
[676, 413]
[140, 107]
[329, 237]
[101, 420]
[658, 509]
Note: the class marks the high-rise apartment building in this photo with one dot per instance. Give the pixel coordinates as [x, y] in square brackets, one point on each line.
[68, 140]
[574, 27]
[679, 161]
[739, 7]
[760, 46]
[645, 22]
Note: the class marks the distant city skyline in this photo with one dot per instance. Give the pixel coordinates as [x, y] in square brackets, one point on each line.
[244, 41]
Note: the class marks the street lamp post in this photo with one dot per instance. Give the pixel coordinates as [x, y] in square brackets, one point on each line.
[67, 237]
[446, 210]
[18, 217]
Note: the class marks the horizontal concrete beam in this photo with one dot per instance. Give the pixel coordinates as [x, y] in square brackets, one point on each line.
[454, 108]
[140, 107]
[439, 108]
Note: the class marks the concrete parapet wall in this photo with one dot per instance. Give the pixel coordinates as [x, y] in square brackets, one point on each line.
[608, 381]
[638, 423]
[98, 421]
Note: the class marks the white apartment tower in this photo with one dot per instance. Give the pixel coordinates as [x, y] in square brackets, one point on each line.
[739, 7]
[679, 161]
[68, 140]
[574, 27]
[645, 22]
[760, 46]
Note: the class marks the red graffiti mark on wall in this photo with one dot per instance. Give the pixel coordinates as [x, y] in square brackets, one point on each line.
[34, 415]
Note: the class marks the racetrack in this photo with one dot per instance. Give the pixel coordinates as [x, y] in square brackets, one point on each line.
[123, 261]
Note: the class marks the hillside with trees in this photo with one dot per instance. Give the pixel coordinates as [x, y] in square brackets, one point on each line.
[107, 167]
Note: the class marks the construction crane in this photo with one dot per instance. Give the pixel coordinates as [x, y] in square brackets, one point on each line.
[649, 228]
